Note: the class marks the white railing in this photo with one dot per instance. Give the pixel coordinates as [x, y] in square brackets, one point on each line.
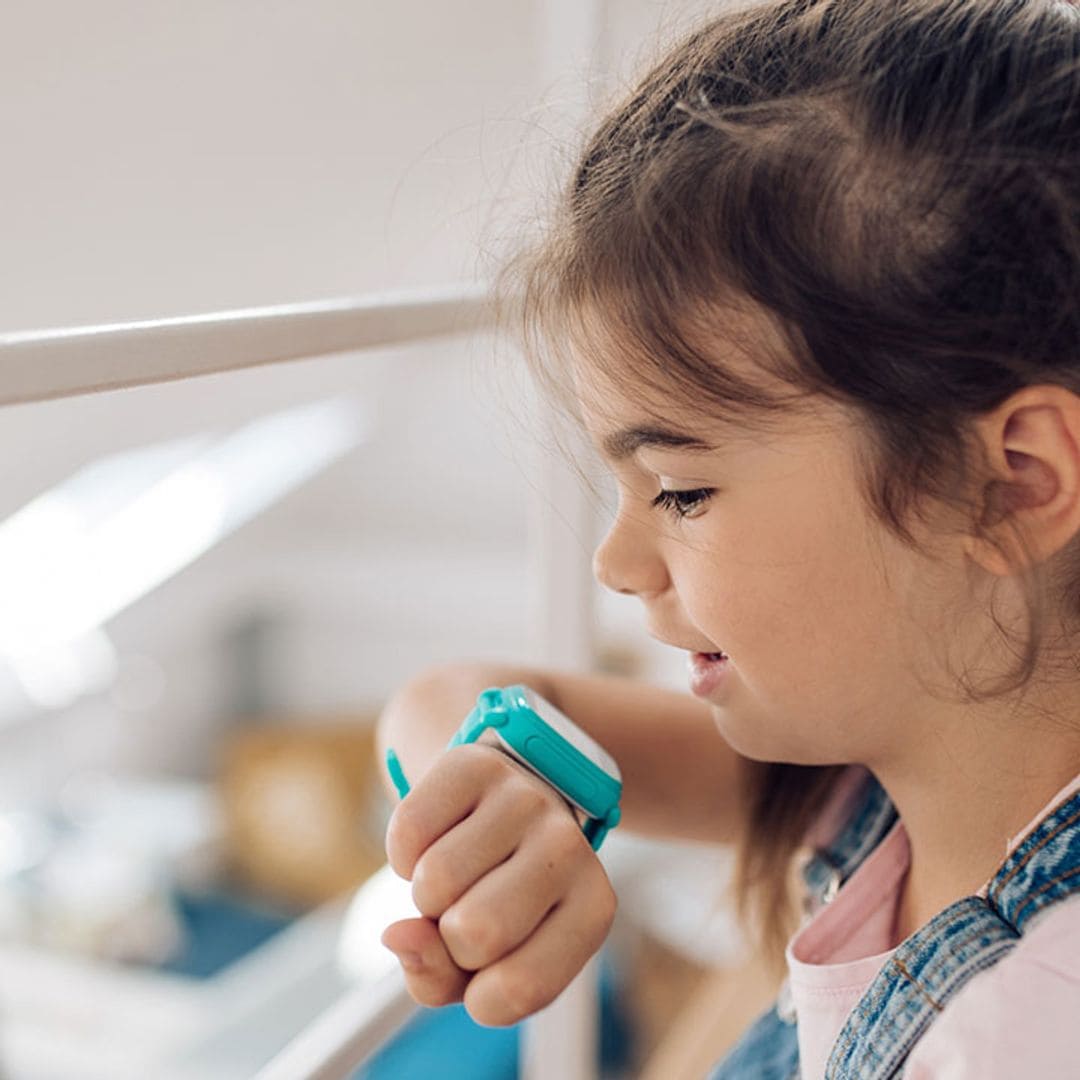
[36, 365]
[347, 1034]
[42, 364]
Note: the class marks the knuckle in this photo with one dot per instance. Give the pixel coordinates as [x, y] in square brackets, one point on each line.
[478, 760]
[456, 756]
[521, 992]
[402, 841]
[539, 796]
[432, 991]
[431, 887]
[484, 1008]
[522, 804]
[610, 903]
[528, 795]
[599, 915]
[605, 906]
[473, 941]
[564, 838]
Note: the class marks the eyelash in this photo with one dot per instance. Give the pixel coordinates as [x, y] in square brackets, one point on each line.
[682, 504]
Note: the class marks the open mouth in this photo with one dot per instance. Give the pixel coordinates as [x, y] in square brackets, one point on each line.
[708, 672]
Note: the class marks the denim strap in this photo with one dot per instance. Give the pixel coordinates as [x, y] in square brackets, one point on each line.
[927, 969]
[1044, 868]
[870, 821]
[769, 1048]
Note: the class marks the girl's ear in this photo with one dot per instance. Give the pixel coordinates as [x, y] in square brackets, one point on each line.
[1032, 443]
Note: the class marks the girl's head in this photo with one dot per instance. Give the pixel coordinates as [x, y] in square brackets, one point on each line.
[839, 243]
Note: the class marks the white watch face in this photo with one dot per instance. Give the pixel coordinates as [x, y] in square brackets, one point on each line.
[572, 733]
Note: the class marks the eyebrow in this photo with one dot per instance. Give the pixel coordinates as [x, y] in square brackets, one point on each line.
[622, 444]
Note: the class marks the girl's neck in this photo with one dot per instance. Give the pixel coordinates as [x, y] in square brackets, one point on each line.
[971, 791]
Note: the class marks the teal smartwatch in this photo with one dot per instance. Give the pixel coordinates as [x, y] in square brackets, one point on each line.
[531, 730]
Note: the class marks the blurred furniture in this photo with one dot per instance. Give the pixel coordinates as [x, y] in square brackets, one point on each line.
[303, 807]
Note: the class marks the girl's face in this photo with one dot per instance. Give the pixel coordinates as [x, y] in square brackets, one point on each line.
[761, 547]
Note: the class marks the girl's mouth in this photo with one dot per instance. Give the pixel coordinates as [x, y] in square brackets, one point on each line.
[707, 671]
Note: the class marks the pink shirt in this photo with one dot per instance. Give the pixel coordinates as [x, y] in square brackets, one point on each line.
[1019, 1018]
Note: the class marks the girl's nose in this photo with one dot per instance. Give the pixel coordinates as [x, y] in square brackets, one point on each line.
[626, 562]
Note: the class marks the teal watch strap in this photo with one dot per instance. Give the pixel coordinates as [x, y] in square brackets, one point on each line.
[534, 732]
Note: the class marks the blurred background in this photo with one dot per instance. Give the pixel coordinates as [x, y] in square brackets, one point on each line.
[187, 790]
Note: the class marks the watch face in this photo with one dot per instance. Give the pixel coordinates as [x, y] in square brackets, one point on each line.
[577, 738]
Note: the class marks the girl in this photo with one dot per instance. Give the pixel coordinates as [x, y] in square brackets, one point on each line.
[814, 292]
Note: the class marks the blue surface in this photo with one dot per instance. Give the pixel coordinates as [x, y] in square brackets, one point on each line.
[218, 929]
[447, 1044]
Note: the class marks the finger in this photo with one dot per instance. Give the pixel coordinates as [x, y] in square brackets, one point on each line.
[533, 975]
[443, 796]
[410, 936]
[431, 977]
[507, 904]
[487, 837]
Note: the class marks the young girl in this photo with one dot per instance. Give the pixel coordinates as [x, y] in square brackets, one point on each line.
[814, 292]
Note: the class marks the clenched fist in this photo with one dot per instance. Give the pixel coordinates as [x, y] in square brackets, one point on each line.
[513, 898]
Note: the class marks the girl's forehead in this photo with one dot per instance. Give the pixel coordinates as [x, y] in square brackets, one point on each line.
[652, 361]
[608, 399]
[622, 417]
[614, 390]
[623, 412]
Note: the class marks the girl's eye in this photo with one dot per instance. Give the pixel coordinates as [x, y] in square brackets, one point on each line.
[684, 504]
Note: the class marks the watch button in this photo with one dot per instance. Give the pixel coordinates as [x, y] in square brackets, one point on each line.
[549, 758]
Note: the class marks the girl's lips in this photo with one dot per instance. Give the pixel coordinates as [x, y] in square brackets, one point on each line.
[707, 672]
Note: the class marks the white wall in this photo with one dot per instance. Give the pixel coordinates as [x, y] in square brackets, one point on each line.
[167, 159]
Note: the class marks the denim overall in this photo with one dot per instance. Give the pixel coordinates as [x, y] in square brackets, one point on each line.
[928, 968]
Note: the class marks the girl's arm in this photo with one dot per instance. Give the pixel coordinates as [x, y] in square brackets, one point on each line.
[512, 899]
[680, 777]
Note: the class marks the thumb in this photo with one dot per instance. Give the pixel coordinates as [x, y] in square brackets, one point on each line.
[415, 936]
[431, 976]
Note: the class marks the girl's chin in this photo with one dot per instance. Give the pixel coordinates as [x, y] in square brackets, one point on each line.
[760, 741]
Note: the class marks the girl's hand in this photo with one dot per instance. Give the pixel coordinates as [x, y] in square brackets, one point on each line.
[514, 899]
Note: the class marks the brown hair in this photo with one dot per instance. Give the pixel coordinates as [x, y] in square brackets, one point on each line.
[893, 187]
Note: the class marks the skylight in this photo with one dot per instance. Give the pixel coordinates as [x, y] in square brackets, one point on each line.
[85, 550]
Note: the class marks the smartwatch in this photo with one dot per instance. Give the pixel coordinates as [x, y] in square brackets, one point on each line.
[532, 731]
